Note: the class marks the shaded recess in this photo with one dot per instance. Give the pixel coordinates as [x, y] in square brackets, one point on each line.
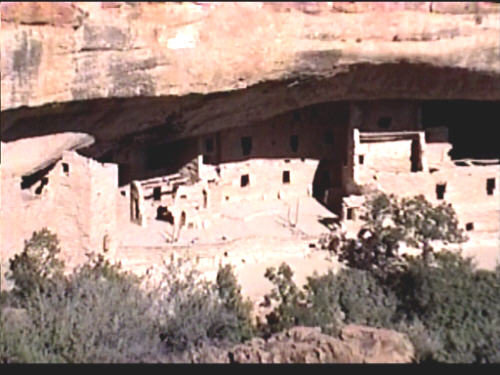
[163, 129]
[472, 126]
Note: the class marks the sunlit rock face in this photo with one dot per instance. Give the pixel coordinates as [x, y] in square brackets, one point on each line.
[130, 69]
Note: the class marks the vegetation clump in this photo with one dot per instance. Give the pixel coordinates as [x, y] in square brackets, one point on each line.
[101, 313]
[449, 309]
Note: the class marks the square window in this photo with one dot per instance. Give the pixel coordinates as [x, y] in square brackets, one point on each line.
[245, 180]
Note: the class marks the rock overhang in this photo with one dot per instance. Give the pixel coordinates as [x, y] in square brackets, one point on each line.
[173, 71]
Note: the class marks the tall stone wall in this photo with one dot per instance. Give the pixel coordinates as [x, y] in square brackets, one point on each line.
[103, 205]
[78, 203]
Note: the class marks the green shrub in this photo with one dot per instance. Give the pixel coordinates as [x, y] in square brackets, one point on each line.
[230, 292]
[37, 266]
[291, 308]
[196, 312]
[457, 302]
[329, 301]
[100, 313]
[388, 222]
[90, 317]
[363, 299]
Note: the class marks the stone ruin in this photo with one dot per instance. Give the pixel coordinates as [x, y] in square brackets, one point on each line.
[196, 108]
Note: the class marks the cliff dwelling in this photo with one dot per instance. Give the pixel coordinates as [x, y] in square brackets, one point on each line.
[153, 144]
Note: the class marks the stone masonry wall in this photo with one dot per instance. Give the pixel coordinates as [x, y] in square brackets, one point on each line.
[78, 204]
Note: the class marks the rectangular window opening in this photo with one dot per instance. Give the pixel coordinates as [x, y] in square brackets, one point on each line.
[286, 177]
[246, 145]
[440, 190]
[157, 193]
[490, 186]
[65, 167]
[361, 159]
[350, 213]
[244, 180]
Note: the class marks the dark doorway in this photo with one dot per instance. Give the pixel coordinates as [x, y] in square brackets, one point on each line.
[415, 157]
[286, 177]
[135, 209]
[490, 186]
[361, 159]
[157, 193]
[65, 168]
[163, 214]
[123, 174]
[440, 190]
[350, 213]
[245, 180]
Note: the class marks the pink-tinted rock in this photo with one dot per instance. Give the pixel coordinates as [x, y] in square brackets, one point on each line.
[42, 13]
[357, 344]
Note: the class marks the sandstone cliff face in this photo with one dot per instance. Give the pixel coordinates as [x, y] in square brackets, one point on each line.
[139, 70]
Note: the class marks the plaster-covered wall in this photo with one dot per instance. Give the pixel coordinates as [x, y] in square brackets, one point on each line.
[78, 203]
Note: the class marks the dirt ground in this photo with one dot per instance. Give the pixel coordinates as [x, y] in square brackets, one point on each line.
[257, 236]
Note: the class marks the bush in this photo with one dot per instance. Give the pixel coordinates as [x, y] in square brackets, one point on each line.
[37, 266]
[291, 308]
[230, 292]
[196, 312]
[100, 313]
[388, 222]
[329, 301]
[363, 299]
[458, 303]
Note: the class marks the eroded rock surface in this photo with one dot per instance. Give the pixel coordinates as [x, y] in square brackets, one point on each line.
[148, 72]
[358, 344]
